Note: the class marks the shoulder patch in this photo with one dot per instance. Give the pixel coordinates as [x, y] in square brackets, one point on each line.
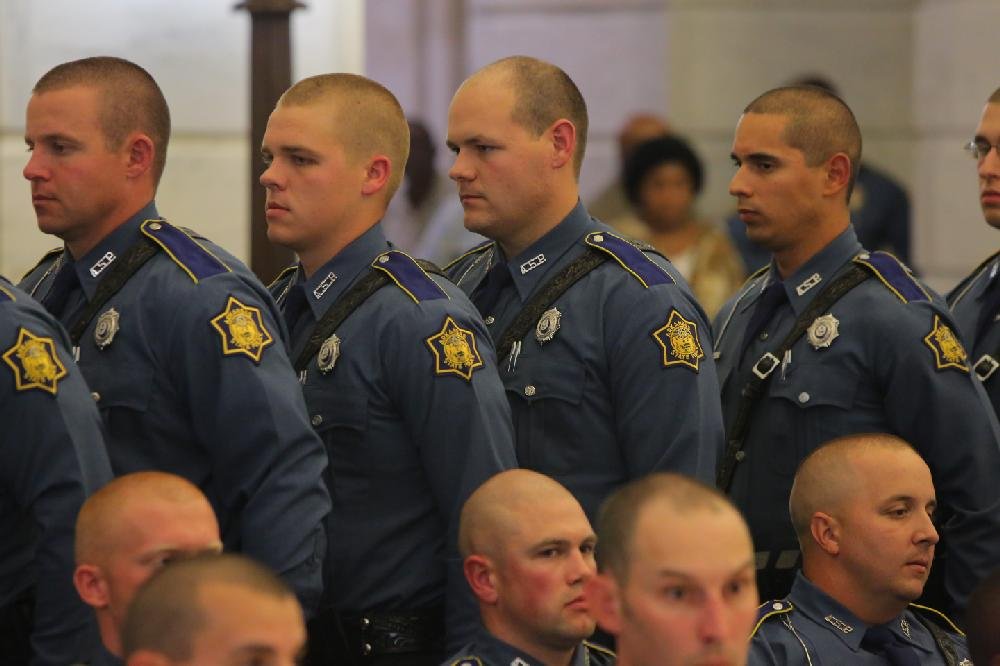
[946, 347]
[408, 276]
[454, 349]
[482, 247]
[242, 330]
[193, 257]
[937, 616]
[284, 274]
[35, 363]
[678, 340]
[771, 609]
[894, 274]
[629, 257]
[48, 256]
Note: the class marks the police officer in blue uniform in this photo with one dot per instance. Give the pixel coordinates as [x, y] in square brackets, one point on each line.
[488, 650]
[52, 457]
[975, 302]
[180, 343]
[873, 350]
[867, 542]
[398, 372]
[605, 355]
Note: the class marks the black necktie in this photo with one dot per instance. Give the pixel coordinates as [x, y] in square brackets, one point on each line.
[881, 640]
[774, 296]
[65, 283]
[487, 294]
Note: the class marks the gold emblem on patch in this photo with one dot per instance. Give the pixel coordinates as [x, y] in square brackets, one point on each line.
[35, 363]
[678, 339]
[454, 350]
[242, 330]
[948, 351]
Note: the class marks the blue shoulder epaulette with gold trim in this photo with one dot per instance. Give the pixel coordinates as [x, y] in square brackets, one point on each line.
[51, 254]
[468, 253]
[770, 609]
[937, 616]
[629, 257]
[285, 272]
[193, 257]
[409, 276]
[894, 275]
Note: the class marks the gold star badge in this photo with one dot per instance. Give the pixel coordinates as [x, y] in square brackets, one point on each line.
[242, 330]
[35, 363]
[454, 350]
[678, 339]
[948, 351]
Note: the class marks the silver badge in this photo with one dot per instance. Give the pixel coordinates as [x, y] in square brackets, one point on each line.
[905, 626]
[839, 624]
[107, 327]
[328, 354]
[823, 331]
[547, 325]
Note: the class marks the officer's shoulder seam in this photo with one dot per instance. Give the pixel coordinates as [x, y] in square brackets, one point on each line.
[184, 250]
[409, 276]
[482, 247]
[630, 257]
[599, 648]
[767, 610]
[935, 613]
[894, 275]
[285, 272]
[51, 254]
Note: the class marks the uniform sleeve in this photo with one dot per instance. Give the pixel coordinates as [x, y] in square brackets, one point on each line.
[267, 463]
[461, 425]
[53, 457]
[943, 411]
[664, 387]
[762, 654]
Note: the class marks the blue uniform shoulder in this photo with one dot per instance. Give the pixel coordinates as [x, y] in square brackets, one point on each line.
[630, 257]
[894, 275]
[959, 290]
[937, 617]
[184, 250]
[6, 290]
[409, 276]
[45, 261]
[769, 611]
[478, 249]
[282, 279]
[598, 654]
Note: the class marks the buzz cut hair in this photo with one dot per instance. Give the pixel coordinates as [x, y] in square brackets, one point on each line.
[131, 101]
[367, 119]
[166, 614]
[543, 94]
[820, 124]
[619, 514]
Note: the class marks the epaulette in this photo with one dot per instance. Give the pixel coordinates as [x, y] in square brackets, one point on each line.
[468, 253]
[45, 257]
[959, 290]
[5, 293]
[894, 274]
[935, 615]
[409, 276]
[629, 257]
[770, 609]
[753, 276]
[193, 257]
[601, 649]
[282, 275]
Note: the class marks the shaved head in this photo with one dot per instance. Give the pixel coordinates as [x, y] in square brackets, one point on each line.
[820, 124]
[543, 94]
[365, 117]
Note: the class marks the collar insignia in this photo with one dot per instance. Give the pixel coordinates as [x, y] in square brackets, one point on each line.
[35, 363]
[839, 624]
[532, 264]
[322, 287]
[823, 331]
[519, 662]
[904, 626]
[328, 354]
[242, 330]
[548, 325]
[106, 328]
[808, 283]
[102, 263]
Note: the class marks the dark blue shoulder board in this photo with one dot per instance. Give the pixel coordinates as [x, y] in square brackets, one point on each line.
[894, 275]
[770, 609]
[629, 257]
[409, 276]
[194, 258]
[286, 273]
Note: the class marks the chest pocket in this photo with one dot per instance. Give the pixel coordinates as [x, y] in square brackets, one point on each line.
[341, 422]
[121, 382]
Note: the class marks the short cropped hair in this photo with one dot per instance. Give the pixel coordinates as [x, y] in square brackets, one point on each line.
[619, 514]
[995, 97]
[165, 616]
[820, 124]
[131, 101]
[982, 619]
[368, 118]
[543, 94]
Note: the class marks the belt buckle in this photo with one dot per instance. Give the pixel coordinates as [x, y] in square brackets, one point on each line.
[764, 372]
[985, 367]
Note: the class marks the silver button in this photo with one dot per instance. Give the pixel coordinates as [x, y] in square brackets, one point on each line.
[317, 420]
[529, 390]
[366, 649]
[803, 397]
[489, 320]
[384, 259]
[365, 623]
[740, 455]
[777, 605]
[598, 238]
[96, 396]
[155, 226]
[763, 335]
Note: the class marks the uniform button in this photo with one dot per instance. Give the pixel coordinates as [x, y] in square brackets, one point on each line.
[777, 605]
[155, 226]
[740, 456]
[763, 335]
[382, 260]
[96, 396]
[803, 397]
[489, 320]
[366, 649]
[529, 390]
[316, 420]
[598, 239]
[365, 623]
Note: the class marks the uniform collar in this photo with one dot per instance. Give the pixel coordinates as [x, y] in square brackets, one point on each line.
[495, 651]
[991, 274]
[335, 276]
[828, 613]
[93, 266]
[531, 266]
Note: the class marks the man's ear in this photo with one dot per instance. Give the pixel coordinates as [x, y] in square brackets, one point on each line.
[826, 532]
[140, 153]
[838, 174]
[91, 586]
[603, 596]
[377, 173]
[480, 574]
[563, 137]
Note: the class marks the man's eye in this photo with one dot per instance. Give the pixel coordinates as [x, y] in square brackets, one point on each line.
[266, 160]
[484, 148]
[299, 160]
[676, 593]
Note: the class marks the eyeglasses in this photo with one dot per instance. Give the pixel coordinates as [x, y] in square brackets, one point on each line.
[980, 148]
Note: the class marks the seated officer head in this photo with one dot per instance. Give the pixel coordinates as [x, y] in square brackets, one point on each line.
[677, 582]
[127, 531]
[528, 549]
[982, 619]
[214, 610]
[518, 128]
[867, 537]
[983, 149]
[335, 147]
[797, 151]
